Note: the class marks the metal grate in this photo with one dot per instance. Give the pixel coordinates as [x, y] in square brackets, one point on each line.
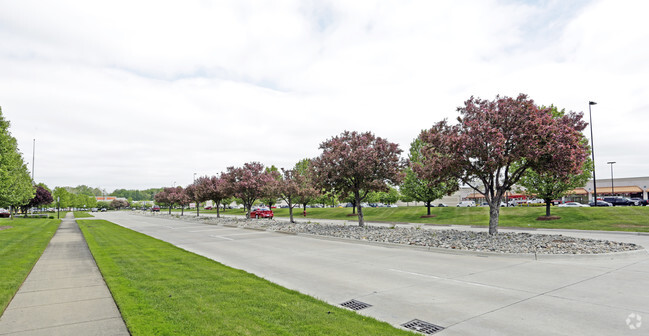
[355, 305]
[422, 327]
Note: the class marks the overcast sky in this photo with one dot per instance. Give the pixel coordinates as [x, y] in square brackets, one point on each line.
[141, 94]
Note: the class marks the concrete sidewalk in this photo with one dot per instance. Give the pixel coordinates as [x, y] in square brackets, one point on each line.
[64, 294]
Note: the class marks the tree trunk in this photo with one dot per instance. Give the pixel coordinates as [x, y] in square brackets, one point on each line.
[197, 206]
[361, 220]
[547, 207]
[290, 212]
[494, 213]
[428, 206]
[170, 209]
[218, 208]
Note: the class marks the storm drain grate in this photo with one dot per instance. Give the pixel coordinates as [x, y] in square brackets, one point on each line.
[355, 305]
[422, 327]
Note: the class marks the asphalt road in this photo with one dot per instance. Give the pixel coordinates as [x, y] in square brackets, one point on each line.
[465, 294]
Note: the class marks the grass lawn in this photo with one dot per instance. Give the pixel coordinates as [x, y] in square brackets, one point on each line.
[82, 214]
[634, 218]
[163, 290]
[22, 242]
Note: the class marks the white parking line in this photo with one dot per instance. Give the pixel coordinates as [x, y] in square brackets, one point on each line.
[236, 234]
[214, 229]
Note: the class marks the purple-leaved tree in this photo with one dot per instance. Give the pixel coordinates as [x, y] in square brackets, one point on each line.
[248, 182]
[495, 142]
[358, 163]
[213, 188]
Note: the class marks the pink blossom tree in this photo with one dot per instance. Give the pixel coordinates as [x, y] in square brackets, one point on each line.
[358, 163]
[495, 142]
[308, 191]
[213, 188]
[248, 182]
[163, 197]
[194, 194]
[178, 196]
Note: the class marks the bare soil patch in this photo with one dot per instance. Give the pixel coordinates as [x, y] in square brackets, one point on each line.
[350, 215]
[428, 216]
[6, 227]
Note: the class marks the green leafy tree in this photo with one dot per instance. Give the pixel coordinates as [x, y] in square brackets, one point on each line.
[425, 189]
[16, 186]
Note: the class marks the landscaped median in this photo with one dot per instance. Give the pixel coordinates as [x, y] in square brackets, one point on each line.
[22, 242]
[632, 218]
[163, 290]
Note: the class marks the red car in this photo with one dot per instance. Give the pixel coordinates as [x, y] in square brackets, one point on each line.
[261, 213]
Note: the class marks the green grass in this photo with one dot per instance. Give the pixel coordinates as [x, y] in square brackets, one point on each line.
[163, 290]
[82, 214]
[20, 247]
[600, 218]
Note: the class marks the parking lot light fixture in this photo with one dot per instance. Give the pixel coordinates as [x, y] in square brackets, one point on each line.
[592, 149]
[612, 187]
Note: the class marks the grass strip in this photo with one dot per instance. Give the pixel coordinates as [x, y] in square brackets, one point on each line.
[81, 214]
[634, 218]
[22, 242]
[163, 290]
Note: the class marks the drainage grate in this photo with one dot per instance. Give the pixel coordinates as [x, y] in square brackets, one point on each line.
[355, 305]
[422, 327]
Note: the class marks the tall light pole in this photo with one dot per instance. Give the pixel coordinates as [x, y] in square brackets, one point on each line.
[33, 158]
[592, 150]
[612, 187]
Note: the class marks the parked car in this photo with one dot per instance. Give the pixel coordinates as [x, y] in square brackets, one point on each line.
[261, 213]
[208, 207]
[104, 209]
[640, 201]
[619, 201]
[94, 209]
[4, 213]
[441, 205]
[572, 205]
[466, 204]
[600, 203]
[154, 208]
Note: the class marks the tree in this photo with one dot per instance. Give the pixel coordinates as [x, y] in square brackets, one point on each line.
[248, 182]
[214, 189]
[164, 197]
[289, 187]
[62, 197]
[194, 194]
[16, 187]
[41, 196]
[425, 190]
[118, 204]
[308, 191]
[548, 186]
[358, 163]
[178, 196]
[272, 189]
[495, 142]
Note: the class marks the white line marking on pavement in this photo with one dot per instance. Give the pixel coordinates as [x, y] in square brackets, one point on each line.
[448, 279]
[215, 229]
[236, 234]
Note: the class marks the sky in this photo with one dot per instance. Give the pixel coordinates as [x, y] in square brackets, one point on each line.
[146, 94]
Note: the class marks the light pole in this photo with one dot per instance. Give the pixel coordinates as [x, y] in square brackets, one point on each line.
[612, 187]
[592, 150]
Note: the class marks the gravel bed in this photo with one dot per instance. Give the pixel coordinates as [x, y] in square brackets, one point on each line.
[503, 242]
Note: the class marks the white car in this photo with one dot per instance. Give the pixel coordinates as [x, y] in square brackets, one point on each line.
[466, 204]
[573, 205]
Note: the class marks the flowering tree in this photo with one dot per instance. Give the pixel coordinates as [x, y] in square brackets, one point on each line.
[178, 196]
[495, 142]
[271, 192]
[194, 194]
[118, 204]
[248, 182]
[213, 188]
[358, 163]
[289, 188]
[164, 197]
[425, 190]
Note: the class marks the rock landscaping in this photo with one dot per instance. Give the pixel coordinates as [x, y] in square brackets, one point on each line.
[504, 242]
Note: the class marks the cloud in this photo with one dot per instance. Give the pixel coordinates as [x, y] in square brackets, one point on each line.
[136, 95]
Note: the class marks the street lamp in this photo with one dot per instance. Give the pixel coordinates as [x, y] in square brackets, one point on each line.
[612, 187]
[592, 150]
